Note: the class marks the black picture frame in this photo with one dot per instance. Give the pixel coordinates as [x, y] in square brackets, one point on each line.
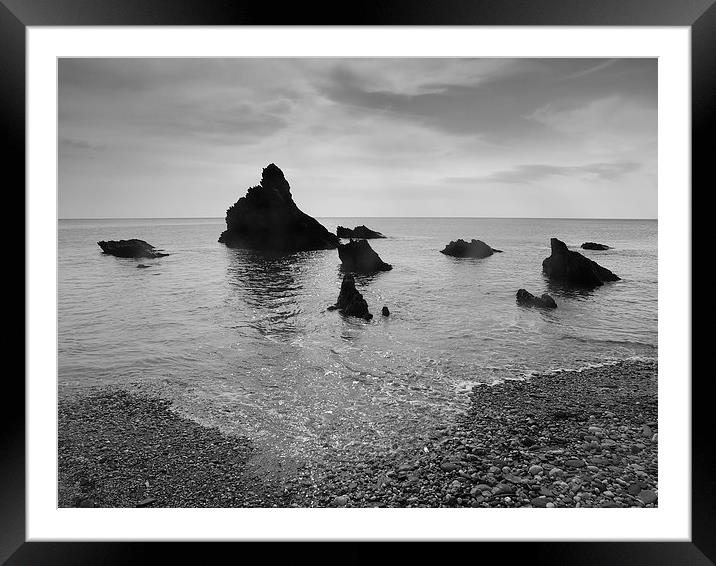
[17, 15]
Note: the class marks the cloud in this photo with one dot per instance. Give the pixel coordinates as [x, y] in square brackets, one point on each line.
[613, 113]
[480, 108]
[82, 144]
[537, 172]
[196, 131]
[416, 77]
[590, 70]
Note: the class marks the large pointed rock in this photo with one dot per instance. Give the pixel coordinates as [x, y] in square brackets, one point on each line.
[570, 267]
[350, 302]
[358, 256]
[268, 219]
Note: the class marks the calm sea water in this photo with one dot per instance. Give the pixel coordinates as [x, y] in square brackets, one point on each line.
[243, 341]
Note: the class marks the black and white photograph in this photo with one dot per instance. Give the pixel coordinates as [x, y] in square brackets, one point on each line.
[326, 282]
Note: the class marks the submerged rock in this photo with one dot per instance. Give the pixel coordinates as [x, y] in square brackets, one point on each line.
[268, 219]
[358, 232]
[594, 246]
[527, 299]
[358, 256]
[567, 266]
[350, 302]
[129, 248]
[474, 248]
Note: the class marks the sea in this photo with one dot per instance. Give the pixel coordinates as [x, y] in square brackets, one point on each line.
[242, 340]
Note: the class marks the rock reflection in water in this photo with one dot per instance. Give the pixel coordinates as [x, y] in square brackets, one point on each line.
[571, 291]
[266, 289]
[362, 279]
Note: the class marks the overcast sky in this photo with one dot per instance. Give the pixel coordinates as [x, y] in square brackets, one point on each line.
[360, 137]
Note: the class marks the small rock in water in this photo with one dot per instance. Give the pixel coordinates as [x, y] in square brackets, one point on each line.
[142, 266]
[594, 246]
[573, 268]
[362, 232]
[526, 298]
[132, 248]
[358, 256]
[474, 249]
[385, 311]
[350, 301]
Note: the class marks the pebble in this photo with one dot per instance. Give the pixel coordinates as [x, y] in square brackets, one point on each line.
[480, 460]
[647, 496]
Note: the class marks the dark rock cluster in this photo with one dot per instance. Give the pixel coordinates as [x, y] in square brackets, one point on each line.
[350, 302]
[474, 248]
[132, 248]
[268, 219]
[361, 231]
[570, 267]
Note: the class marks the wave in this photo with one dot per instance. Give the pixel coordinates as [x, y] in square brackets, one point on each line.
[608, 341]
[592, 365]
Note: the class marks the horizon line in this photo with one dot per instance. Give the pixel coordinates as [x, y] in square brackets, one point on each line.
[367, 217]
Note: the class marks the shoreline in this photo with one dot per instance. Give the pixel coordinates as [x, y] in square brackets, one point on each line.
[580, 438]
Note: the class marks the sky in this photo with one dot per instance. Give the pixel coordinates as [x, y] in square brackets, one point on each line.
[172, 138]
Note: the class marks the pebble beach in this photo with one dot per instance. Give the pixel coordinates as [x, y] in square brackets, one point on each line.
[586, 438]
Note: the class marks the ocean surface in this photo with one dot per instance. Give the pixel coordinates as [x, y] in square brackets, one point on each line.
[243, 340]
